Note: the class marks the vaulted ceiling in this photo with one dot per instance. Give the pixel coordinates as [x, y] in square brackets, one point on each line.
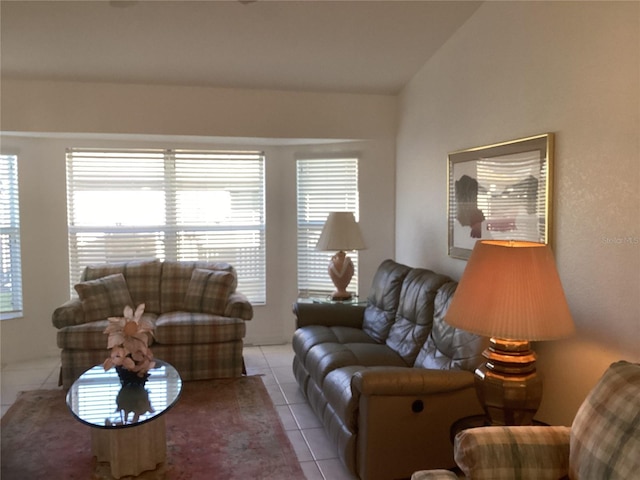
[306, 45]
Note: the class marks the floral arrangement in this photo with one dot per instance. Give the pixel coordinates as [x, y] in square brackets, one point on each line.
[129, 342]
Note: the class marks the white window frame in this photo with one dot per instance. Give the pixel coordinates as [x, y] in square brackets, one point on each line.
[324, 184]
[171, 205]
[11, 304]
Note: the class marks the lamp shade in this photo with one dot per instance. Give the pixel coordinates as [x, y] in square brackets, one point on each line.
[511, 290]
[340, 232]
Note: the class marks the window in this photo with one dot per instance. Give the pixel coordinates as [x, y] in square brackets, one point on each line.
[324, 185]
[171, 205]
[11, 273]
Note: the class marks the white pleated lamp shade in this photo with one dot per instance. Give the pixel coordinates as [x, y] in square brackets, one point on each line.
[511, 290]
[340, 232]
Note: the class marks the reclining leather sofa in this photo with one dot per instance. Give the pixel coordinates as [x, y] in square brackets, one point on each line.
[388, 379]
[199, 316]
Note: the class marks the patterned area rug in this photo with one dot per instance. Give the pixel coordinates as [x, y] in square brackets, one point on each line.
[219, 429]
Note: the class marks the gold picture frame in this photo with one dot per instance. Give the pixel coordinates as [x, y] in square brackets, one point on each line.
[500, 191]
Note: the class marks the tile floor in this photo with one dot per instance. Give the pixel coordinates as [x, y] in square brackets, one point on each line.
[317, 455]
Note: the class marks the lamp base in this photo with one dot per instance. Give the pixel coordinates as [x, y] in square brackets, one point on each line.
[508, 386]
[341, 271]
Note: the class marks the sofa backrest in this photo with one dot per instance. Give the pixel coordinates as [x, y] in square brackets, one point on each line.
[605, 433]
[142, 277]
[414, 317]
[384, 296]
[161, 286]
[447, 347]
[175, 278]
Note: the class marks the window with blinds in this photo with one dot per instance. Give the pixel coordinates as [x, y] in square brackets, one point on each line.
[171, 205]
[11, 273]
[323, 186]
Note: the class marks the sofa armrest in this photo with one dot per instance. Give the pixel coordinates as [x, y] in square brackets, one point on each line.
[68, 314]
[409, 381]
[328, 314]
[238, 306]
[529, 452]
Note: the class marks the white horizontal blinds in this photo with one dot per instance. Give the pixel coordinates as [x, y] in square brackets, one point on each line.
[11, 269]
[168, 204]
[115, 207]
[508, 189]
[219, 213]
[323, 186]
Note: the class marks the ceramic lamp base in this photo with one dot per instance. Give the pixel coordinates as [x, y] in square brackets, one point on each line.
[341, 271]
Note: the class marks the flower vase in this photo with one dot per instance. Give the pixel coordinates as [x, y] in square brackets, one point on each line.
[127, 377]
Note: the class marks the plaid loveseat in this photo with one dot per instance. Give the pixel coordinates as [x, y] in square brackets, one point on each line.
[199, 316]
[602, 443]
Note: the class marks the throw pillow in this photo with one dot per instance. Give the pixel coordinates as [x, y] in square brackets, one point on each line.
[104, 297]
[208, 291]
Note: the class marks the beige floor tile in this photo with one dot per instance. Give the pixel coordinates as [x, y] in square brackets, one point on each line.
[292, 393]
[311, 471]
[333, 469]
[299, 446]
[304, 416]
[286, 417]
[284, 374]
[321, 447]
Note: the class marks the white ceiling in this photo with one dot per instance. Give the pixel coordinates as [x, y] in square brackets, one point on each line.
[307, 45]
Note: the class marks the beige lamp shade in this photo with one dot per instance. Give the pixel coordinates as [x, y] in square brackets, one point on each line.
[511, 290]
[340, 232]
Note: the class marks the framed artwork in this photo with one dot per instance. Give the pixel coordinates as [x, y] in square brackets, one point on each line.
[500, 192]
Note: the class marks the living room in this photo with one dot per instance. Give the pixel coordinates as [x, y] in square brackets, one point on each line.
[511, 70]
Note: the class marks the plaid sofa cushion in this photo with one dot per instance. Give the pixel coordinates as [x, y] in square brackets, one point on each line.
[505, 453]
[143, 279]
[208, 291]
[176, 328]
[104, 297]
[90, 336]
[175, 279]
[605, 435]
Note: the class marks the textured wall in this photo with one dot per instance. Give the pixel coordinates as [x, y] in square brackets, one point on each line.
[517, 69]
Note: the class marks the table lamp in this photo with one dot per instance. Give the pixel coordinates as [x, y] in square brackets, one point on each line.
[340, 232]
[510, 292]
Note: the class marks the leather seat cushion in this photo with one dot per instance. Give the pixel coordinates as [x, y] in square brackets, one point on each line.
[326, 357]
[307, 337]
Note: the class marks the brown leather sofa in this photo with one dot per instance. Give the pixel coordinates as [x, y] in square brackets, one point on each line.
[388, 379]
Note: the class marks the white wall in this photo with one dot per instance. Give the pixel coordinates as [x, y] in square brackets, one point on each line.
[516, 69]
[291, 124]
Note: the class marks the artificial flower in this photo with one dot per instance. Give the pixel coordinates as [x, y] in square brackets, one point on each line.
[129, 341]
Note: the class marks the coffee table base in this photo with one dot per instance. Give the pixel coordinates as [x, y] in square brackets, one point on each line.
[132, 450]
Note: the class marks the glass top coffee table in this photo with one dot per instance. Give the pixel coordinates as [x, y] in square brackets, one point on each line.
[128, 428]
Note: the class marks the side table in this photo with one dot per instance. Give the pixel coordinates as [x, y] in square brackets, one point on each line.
[475, 421]
[353, 301]
[128, 427]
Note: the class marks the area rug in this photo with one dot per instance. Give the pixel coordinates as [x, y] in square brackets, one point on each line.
[219, 429]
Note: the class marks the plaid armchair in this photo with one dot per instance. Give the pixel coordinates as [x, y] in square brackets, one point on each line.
[602, 443]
